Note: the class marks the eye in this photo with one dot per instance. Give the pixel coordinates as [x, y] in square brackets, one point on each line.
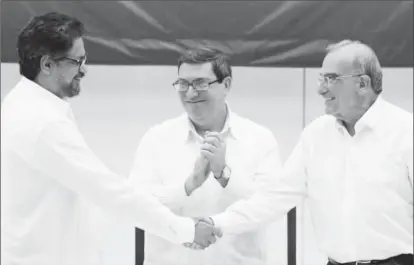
[182, 82]
[200, 82]
[331, 77]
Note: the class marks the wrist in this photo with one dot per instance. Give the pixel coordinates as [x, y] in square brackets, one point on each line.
[218, 173]
[224, 177]
[189, 186]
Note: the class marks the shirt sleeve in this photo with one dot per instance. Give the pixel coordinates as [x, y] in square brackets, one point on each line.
[407, 150]
[274, 200]
[62, 154]
[144, 173]
[268, 167]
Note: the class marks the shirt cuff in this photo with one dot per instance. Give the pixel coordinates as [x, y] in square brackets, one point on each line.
[221, 221]
[238, 185]
[184, 229]
[174, 195]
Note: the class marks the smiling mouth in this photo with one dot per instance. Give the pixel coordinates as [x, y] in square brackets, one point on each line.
[329, 99]
[194, 102]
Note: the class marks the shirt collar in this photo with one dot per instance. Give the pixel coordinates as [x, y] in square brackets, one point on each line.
[231, 126]
[39, 92]
[373, 115]
[370, 118]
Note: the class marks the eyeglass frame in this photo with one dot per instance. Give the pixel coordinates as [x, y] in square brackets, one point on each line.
[80, 62]
[192, 85]
[335, 78]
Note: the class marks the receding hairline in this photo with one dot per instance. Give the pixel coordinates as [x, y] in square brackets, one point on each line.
[356, 49]
[350, 53]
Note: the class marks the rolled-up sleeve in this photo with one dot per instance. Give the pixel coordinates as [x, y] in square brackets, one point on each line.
[62, 154]
[281, 193]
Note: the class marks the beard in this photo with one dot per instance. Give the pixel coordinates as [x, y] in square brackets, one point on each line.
[73, 88]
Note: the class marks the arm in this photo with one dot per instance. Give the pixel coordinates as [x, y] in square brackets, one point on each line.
[62, 154]
[408, 153]
[268, 168]
[144, 174]
[274, 200]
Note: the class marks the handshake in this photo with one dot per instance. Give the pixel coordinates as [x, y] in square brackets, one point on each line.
[211, 160]
[205, 234]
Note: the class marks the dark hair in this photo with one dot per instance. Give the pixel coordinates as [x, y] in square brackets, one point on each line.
[220, 62]
[49, 34]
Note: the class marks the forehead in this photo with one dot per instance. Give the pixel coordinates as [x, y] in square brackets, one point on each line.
[192, 71]
[338, 62]
[78, 48]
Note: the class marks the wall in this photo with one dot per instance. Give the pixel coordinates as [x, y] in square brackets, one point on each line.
[118, 104]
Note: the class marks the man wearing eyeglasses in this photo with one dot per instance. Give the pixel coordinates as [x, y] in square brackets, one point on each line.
[355, 166]
[50, 175]
[205, 160]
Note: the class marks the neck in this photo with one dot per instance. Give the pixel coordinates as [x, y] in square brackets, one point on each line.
[363, 108]
[216, 124]
[46, 84]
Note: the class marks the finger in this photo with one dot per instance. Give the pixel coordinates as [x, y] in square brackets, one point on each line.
[206, 220]
[217, 232]
[188, 245]
[208, 147]
[208, 133]
[193, 246]
[212, 239]
[213, 141]
[198, 247]
[207, 154]
[215, 135]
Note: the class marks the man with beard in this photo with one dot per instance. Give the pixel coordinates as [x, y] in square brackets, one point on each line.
[47, 168]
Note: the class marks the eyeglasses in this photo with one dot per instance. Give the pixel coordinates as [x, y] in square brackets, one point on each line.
[330, 79]
[198, 85]
[80, 62]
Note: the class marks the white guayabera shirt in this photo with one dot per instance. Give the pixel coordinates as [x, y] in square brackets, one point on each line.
[47, 172]
[165, 159]
[360, 188]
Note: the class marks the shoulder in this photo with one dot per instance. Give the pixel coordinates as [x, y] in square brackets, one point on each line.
[249, 129]
[168, 129]
[322, 123]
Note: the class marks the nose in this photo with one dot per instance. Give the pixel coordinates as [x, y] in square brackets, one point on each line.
[322, 89]
[83, 69]
[191, 92]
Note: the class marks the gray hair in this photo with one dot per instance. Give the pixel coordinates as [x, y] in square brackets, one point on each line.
[365, 60]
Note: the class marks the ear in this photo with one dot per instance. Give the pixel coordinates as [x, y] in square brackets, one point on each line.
[227, 84]
[46, 64]
[364, 82]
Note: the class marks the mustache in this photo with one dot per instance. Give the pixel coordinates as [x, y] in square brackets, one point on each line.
[80, 75]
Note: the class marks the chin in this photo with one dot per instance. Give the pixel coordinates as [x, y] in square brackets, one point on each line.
[329, 111]
[196, 119]
[74, 92]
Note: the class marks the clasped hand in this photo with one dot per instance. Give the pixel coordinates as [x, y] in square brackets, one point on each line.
[214, 149]
[205, 234]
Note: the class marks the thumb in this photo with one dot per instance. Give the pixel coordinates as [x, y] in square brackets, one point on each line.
[217, 232]
[206, 220]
